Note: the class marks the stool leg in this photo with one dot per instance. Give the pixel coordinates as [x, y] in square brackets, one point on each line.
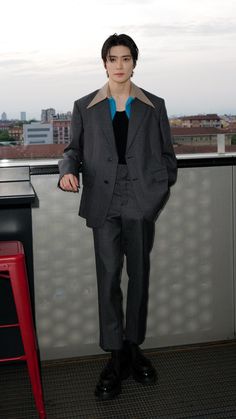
[20, 288]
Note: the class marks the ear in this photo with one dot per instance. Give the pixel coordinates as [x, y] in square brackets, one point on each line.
[105, 65]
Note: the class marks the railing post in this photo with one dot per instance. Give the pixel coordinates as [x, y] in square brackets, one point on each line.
[221, 143]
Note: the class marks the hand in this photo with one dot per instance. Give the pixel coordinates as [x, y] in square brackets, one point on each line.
[69, 183]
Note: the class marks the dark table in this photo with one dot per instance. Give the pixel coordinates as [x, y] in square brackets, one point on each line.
[16, 197]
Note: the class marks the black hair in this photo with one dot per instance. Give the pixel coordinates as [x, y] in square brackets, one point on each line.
[122, 39]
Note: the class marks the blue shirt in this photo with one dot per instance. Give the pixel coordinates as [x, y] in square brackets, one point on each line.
[112, 103]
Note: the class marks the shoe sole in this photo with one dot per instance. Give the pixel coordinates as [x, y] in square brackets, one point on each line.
[108, 396]
[112, 395]
[146, 380]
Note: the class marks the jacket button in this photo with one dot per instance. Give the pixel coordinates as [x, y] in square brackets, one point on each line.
[135, 178]
[106, 181]
[109, 159]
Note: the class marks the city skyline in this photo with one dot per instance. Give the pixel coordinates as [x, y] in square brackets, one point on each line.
[51, 56]
[63, 114]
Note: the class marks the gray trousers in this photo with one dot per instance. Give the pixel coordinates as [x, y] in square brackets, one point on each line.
[125, 232]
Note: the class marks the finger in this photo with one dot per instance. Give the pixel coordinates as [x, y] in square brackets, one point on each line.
[74, 183]
[65, 184]
[62, 184]
[69, 183]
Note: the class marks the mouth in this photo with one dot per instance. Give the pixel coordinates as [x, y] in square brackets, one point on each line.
[119, 74]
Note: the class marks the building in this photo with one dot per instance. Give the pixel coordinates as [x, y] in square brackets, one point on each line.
[23, 116]
[37, 133]
[201, 121]
[63, 116]
[47, 115]
[16, 132]
[61, 131]
[199, 136]
[175, 122]
[4, 126]
[4, 116]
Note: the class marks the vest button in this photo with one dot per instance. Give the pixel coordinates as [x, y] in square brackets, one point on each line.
[106, 181]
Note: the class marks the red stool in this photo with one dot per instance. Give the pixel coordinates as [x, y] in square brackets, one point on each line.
[12, 267]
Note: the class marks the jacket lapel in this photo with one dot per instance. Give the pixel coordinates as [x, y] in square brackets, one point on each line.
[138, 112]
[103, 115]
[139, 108]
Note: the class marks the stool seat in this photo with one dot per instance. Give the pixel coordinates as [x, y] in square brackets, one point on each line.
[13, 268]
[11, 249]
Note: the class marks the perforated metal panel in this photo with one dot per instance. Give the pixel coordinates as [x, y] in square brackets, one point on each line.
[191, 284]
[191, 289]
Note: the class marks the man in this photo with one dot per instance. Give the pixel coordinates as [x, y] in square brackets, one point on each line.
[121, 140]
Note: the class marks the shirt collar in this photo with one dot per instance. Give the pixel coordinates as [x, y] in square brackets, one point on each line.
[105, 93]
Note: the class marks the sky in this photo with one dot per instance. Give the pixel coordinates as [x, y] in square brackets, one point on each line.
[50, 52]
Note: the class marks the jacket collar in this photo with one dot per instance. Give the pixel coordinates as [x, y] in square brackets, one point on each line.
[105, 93]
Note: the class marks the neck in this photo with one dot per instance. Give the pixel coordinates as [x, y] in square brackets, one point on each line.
[120, 89]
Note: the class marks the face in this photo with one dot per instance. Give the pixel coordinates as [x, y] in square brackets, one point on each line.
[119, 64]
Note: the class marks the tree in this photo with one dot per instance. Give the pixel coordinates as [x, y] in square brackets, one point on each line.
[233, 139]
[6, 137]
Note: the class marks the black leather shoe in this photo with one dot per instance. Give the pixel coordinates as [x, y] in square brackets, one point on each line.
[141, 368]
[109, 384]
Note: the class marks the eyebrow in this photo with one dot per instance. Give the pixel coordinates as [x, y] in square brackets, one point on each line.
[122, 56]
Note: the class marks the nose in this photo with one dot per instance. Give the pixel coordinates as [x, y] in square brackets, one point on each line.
[119, 63]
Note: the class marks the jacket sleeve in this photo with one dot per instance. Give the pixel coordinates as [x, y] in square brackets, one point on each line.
[167, 146]
[73, 153]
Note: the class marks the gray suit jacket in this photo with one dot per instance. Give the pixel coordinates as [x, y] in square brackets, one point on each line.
[150, 156]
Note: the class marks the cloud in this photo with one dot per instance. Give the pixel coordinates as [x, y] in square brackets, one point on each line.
[12, 62]
[43, 68]
[137, 2]
[211, 28]
[82, 62]
[18, 61]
